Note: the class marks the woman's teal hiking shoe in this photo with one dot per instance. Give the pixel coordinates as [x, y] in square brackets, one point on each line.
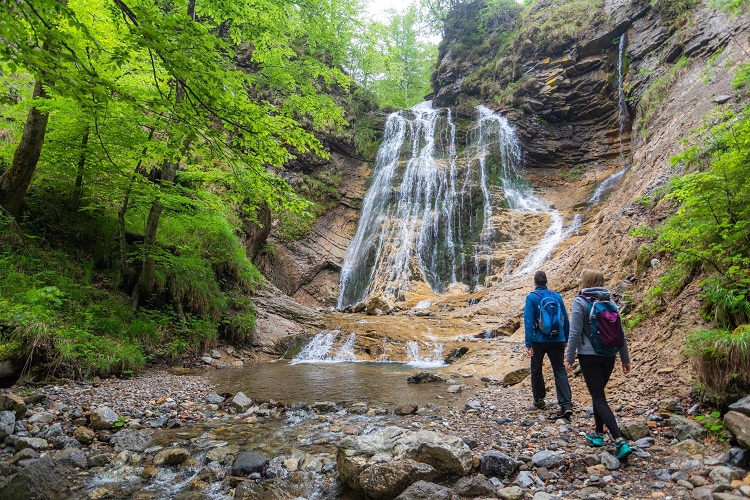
[595, 439]
[622, 450]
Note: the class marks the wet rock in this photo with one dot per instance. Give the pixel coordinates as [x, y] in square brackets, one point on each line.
[249, 462]
[548, 459]
[220, 454]
[423, 490]
[42, 478]
[497, 464]
[425, 378]
[407, 409]
[13, 403]
[474, 486]
[685, 428]
[132, 440]
[516, 376]
[103, 417]
[635, 430]
[100, 460]
[7, 423]
[171, 456]
[387, 480]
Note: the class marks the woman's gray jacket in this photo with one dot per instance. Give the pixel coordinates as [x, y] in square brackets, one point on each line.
[579, 341]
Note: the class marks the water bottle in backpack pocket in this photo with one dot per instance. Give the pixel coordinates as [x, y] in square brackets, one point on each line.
[549, 318]
[607, 336]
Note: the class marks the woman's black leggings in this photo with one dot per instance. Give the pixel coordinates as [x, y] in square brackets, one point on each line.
[596, 372]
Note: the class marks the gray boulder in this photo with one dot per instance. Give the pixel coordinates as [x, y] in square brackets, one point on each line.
[742, 406]
[635, 430]
[425, 378]
[738, 424]
[131, 440]
[7, 423]
[474, 487]
[103, 417]
[685, 428]
[72, 457]
[422, 490]
[249, 462]
[548, 459]
[447, 454]
[42, 478]
[387, 480]
[497, 464]
[241, 402]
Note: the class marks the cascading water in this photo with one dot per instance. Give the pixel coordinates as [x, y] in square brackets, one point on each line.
[432, 358]
[427, 216]
[623, 119]
[322, 349]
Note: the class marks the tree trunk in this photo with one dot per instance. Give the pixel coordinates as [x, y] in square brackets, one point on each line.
[78, 191]
[15, 181]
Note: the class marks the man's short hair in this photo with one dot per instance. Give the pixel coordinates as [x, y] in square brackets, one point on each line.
[540, 278]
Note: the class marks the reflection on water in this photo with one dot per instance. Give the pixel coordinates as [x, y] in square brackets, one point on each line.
[373, 383]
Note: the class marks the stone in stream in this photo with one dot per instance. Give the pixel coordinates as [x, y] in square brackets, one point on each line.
[131, 440]
[171, 456]
[249, 462]
[241, 402]
[423, 490]
[425, 378]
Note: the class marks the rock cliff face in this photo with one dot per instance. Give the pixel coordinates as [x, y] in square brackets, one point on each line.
[563, 98]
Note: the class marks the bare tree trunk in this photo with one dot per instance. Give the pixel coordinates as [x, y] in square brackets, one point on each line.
[15, 181]
[78, 191]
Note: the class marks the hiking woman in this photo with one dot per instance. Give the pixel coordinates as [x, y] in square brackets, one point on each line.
[596, 368]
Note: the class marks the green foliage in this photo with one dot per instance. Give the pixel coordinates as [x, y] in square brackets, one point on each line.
[572, 174]
[713, 424]
[673, 10]
[735, 7]
[721, 360]
[742, 78]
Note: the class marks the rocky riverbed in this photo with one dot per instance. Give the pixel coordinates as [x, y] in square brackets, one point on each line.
[162, 435]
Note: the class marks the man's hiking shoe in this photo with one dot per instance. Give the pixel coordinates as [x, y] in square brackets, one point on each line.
[595, 439]
[566, 414]
[539, 404]
[622, 450]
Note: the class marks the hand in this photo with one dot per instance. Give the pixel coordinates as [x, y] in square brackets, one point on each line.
[569, 367]
[625, 368]
[530, 351]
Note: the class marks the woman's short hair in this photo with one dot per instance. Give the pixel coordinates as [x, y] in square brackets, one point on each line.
[591, 278]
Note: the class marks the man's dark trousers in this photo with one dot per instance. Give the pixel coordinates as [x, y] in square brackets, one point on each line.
[555, 351]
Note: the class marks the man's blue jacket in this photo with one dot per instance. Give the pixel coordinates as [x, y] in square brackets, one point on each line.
[533, 334]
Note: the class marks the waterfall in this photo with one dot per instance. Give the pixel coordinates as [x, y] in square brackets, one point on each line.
[427, 214]
[433, 358]
[623, 119]
[321, 349]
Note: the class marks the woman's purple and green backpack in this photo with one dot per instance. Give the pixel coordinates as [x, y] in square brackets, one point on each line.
[607, 336]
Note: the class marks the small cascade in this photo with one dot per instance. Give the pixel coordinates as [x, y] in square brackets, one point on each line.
[433, 358]
[322, 349]
[624, 120]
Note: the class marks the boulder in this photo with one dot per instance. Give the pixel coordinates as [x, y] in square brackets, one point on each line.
[37, 444]
[7, 423]
[475, 486]
[422, 490]
[249, 462]
[387, 480]
[447, 454]
[241, 402]
[635, 430]
[739, 425]
[425, 378]
[548, 459]
[516, 376]
[131, 440]
[42, 478]
[84, 435]
[725, 475]
[378, 304]
[742, 406]
[171, 456]
[354, 452]
[14, 403]
[497, 464]
[511, 493]
[103, 417]
[73, 457]
[685, 428]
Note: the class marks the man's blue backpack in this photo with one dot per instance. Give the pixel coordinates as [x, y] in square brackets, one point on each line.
[549, 319]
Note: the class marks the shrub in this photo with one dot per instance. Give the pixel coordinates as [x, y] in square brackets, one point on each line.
[721, 360]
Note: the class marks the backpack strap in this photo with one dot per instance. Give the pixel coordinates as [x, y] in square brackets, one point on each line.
[589, 309]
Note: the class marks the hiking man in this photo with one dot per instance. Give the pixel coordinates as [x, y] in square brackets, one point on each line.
[547, 327]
